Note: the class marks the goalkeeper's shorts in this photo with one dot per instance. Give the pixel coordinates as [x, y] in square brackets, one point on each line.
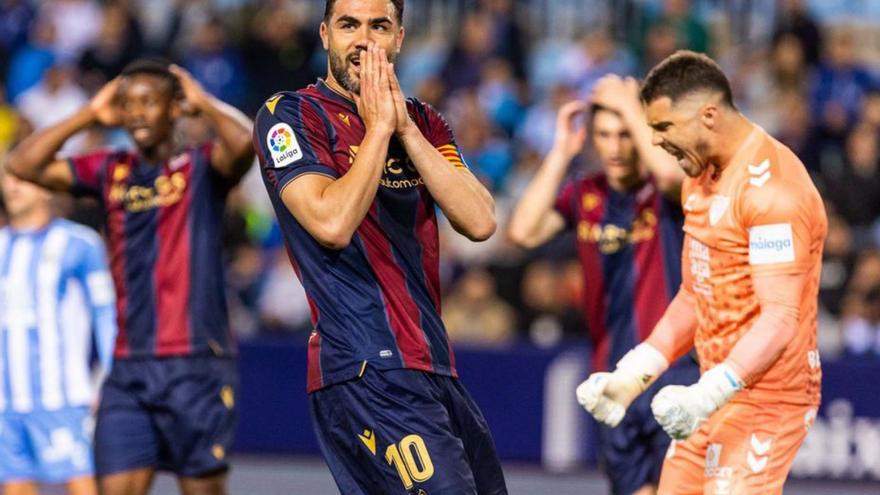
[745, 448]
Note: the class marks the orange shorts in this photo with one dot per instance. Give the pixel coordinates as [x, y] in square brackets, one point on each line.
[745, 448]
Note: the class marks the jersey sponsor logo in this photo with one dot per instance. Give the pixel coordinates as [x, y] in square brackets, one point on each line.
[769, 244]
[612, 238]
[698, 255]
[283, 145]
[717, 208]
[398, 173]
[165, 191]
[759, 174]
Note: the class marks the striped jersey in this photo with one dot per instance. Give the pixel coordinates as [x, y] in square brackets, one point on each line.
[376, 301]
[629, 245]
[57, 298]
[164, 238]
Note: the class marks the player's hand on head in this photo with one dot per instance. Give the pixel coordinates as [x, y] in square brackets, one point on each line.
[571, 131]
[195, 96]
[375, 103]
[104, 105]
[616, 93]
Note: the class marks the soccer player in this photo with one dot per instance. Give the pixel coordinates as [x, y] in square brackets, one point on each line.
[754, 230]
[56, 295]
[627, 221]
[169, 402]
[355, 171]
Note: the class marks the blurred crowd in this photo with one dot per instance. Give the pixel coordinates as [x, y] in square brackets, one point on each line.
[498, 76]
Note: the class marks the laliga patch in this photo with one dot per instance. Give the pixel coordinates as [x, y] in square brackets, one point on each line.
[283, 145]
[769, 244]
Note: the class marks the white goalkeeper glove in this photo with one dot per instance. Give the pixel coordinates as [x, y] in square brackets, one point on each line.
[607, 395]
[681, 410]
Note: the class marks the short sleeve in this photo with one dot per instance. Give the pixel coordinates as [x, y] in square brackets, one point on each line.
[565, 202]
[779, 220]
[437, 131]
[88, 172]
[292, 139]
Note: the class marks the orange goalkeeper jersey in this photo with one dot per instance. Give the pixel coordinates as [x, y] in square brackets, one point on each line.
[760, 215]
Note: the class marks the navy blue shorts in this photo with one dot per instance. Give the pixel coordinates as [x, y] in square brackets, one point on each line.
[405, 432]
[633, 452]
[174, 414]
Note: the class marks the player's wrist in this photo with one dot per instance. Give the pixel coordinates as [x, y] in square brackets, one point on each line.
[644, 363]
[720, 384]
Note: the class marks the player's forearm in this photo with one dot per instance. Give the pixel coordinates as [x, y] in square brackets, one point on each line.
[466, 203]
[660, 164]
[673, 335]
[29, 159]
[234, 130]
[536, 203]
[345, 202]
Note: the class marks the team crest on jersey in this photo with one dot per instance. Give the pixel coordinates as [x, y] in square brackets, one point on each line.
[120, 172]
[283, 145]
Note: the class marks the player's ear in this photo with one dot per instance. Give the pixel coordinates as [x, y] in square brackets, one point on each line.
[325, 35]
[400, 35]
[709, 115]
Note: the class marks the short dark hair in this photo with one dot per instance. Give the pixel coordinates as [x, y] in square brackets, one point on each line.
[685, 72]
[398, 7]
[153, 67]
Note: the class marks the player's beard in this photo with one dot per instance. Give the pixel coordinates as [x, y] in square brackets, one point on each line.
[339, 70]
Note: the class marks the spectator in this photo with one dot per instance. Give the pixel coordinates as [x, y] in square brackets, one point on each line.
[475, 315]
[16, 18]
[841, 83]
[215, 64]
[30, 61]
[120, 41]
[855, 192]
[783, 76]
[77, 24]
[54, 99]
[794, 19]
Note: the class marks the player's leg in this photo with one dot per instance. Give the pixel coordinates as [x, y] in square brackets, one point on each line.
[130, 482]
[471, 427]
[126, 441]
[196, 418]
[389, 433]
[215, 484]
[753, 448]
[21, 487]
[82, 485]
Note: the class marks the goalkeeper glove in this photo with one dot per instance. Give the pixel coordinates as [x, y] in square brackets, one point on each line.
[680, 410]
[607, 395]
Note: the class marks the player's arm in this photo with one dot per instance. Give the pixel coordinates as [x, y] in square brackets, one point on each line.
[34, 158]
[332, 209]
[607, 395]
[463, 199]
[535, 220]
[233, 154]
[622, 96]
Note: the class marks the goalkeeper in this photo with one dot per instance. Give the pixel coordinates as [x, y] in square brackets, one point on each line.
[754, 230]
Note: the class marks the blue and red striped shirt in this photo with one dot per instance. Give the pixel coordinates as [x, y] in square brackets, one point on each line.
[163, 234]
[629, 245]
[377, 301]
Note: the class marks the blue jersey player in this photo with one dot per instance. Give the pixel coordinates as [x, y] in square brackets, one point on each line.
[355, 172]
[169, 402]
[628, 226]
[57, 299]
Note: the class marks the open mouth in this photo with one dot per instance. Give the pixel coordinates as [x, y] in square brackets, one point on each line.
[355, 61]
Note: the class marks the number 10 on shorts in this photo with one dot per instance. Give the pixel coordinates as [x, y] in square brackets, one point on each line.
[410, 458]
